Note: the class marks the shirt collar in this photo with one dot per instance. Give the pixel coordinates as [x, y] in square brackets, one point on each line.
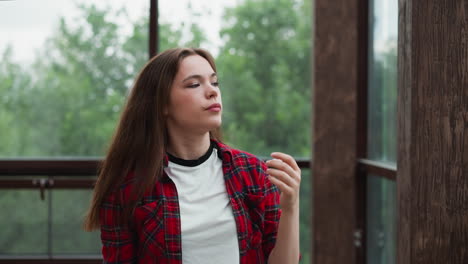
[224, 152]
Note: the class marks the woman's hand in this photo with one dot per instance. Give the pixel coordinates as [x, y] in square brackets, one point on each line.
[284, 172]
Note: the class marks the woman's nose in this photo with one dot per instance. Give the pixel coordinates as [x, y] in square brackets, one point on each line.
[212, 91]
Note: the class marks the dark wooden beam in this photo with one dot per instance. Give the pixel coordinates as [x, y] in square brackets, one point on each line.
[432, 178]
[79, 259]
[363, 35]
[53, 167]
[153, 29]
[336, 84]
[376, 168]
[47, 183]
[67, 167]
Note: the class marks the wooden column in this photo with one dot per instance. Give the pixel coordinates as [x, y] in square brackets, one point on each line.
[432, 177]
[153, 28]
[337, 78]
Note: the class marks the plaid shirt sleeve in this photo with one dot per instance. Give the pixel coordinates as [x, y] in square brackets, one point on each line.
[272, 213]
[118, 241]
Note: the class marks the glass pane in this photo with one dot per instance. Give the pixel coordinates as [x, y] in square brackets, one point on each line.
[305, 224]
[23, 221]
[65, 68]
[33, 226]
[381, 220]
[68, 237]
[263, 54]
[382, 80]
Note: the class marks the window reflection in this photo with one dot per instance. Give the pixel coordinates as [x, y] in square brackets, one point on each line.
[381, 220]
[382, 80]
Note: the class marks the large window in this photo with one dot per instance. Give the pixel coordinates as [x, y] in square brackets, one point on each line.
[382, 102]
[65, 72]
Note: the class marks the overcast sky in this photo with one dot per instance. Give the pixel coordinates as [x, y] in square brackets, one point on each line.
[385, 24]
[27, 23]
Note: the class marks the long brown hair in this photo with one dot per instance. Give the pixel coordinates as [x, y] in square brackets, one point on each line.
[140, 141]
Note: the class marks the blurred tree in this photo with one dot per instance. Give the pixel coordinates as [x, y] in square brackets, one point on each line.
[14, 82]
[265, 69]
[382, 104]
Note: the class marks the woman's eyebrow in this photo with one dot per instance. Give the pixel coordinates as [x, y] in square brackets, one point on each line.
[198, 76]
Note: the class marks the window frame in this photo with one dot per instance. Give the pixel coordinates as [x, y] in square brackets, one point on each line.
[335, 39]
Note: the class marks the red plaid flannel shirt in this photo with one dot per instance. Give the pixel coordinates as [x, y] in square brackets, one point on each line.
[155, 236]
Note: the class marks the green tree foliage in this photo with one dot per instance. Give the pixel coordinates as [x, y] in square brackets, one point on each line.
[265, 76]
[14, 84]
[382, 105]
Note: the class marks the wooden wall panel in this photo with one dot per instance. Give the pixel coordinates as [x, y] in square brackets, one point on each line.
[432, 177]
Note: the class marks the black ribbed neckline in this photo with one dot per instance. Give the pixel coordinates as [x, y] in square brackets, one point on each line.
[192, 163]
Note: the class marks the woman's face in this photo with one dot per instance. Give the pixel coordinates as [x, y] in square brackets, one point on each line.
[195, 100]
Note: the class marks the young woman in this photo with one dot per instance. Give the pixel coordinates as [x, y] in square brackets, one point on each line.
[169, 190]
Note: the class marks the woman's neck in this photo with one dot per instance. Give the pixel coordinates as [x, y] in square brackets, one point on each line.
[188, 147]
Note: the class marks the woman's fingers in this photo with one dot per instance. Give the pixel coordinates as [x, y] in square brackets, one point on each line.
[284, 188]
[286, 175]
[287, 159]
[283, 177]
[280, 165]
[285, 163]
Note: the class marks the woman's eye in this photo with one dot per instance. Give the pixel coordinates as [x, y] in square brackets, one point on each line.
[215, 84]
[194, 85]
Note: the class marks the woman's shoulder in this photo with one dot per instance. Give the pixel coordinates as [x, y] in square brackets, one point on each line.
[119, 193]
[247, 170]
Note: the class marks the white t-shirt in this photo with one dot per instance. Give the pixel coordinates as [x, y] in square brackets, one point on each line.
[209, 233]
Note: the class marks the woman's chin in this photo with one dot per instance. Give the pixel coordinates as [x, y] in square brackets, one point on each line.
[214, 126]
[214, 123]
[203, 127]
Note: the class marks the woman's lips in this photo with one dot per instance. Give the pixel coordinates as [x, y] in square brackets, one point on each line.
[214, 108]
